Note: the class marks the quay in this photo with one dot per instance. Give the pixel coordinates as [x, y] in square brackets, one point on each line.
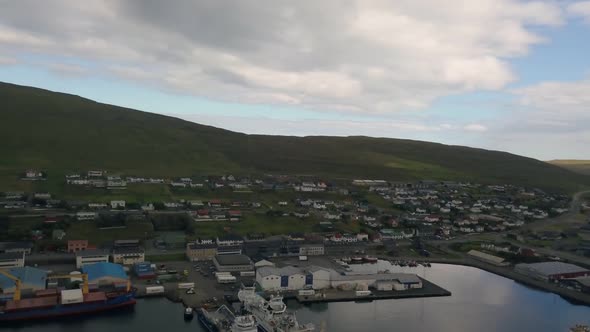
[428, 289]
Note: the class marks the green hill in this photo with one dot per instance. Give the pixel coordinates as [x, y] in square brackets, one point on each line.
[62, 133]
[578, 166]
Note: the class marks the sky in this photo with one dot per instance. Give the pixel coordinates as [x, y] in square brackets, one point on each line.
[497, 74]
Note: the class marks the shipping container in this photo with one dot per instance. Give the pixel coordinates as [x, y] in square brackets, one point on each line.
[71, 296]
[363, 293]
[186, 285]
[154, 290]
[226, 279]
[247, 274]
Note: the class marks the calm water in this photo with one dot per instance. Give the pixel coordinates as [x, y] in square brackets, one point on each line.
[481, 302]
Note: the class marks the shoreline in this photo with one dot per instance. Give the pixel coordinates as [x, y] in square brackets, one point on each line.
[572, 296]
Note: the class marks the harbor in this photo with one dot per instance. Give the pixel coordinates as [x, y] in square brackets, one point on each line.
[487, 303]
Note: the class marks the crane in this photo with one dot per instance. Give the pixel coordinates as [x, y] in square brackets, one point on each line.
[84, 277]
[17, 283]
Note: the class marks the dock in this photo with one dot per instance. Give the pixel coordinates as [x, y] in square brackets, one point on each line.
[332, 295]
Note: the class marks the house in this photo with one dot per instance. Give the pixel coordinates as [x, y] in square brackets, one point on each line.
[128, 255]
[229, 240]
[97, 205]
[118, 204]
[58, 234]
[95, 173]
[77, 245]
[234, 215]
[31, 174]
[116, 184]
[11, 260]
[147, 207]
[432, 218]
[91, 256]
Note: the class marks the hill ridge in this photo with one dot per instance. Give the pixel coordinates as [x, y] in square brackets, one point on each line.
[64, 133]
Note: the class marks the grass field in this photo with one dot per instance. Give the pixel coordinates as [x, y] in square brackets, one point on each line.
[96, 236]
[578, 166]
[73, 134]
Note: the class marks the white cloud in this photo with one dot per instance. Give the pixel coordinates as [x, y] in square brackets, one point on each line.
[475, 127]
[580, 9]
[364, 56]
[4, 60]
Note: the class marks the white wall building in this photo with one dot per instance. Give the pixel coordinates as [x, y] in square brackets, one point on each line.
[86, 257]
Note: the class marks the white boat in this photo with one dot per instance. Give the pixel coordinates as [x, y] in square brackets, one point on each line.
[224, 320]
[271, 315]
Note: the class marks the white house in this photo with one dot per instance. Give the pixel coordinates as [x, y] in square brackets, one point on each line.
[117, 204]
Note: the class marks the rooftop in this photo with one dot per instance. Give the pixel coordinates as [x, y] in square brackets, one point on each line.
[233, 260]
[99, 270]
[92, 252]
[551, 268]
[11, 256]
[27, 275]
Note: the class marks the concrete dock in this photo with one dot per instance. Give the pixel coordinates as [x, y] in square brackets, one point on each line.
[332, 295]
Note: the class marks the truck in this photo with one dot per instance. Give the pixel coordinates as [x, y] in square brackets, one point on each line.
[247, 274]
[226, 279]
[362, 293]
[152, 290]
[186, 285]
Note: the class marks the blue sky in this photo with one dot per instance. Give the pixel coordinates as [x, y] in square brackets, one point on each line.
[504, 74]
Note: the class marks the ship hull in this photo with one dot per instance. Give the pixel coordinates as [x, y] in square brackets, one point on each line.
[61, 311]
[205, 322]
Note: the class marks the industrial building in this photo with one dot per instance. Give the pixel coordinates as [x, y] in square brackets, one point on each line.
[263, 263]
[128, 255]
[93, 256]
[32, 280]
[487, 258]
[12, 259]
[7, 247]
[315, 277]
[286, 278]
[552, 271]
[105, 274]
[203, 251]
[233, 263]
[311, 249]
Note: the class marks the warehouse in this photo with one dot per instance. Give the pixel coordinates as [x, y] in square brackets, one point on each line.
[32, 279]
[317, 277]
[12, 259]
[233, 263]
[91, 256]
[286, 278]
[105, 274]
[379, 281]
[487, 258]
[552, 271]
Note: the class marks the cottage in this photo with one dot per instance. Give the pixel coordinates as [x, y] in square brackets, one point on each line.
[77, 245]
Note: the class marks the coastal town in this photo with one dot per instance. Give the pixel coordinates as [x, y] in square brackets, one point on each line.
[211, 238]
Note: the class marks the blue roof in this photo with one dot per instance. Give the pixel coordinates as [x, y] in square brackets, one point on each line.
[27, 275]
[100, 270]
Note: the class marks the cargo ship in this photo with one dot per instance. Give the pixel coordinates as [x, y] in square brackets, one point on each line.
[63, 303]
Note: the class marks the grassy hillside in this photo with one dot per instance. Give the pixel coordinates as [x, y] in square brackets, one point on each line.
[62, 133]
[578, 166]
